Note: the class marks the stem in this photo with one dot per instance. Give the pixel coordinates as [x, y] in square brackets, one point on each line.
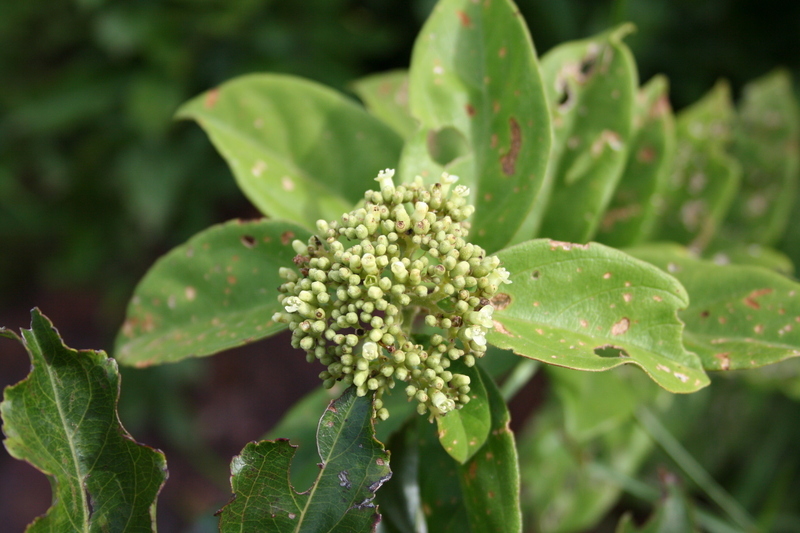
[694, 470]
[519, 376]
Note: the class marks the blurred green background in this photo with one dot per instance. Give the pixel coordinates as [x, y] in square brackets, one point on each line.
[96, 180]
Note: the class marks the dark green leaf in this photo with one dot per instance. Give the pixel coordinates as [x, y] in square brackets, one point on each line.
[674, 513]
[767, 143]
[474, 76]
[463, 432]
[63, 420]
[591, 307]
[217, 291]
[386, 97]
[354, 466]
[632, 213]
[739, 316]
[298, 150]
[704, 179]
[591, 86]
[490, 479]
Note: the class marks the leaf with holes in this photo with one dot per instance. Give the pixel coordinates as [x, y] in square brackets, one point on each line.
[463, 432]
[704, 179]
[62, 419]
[476, 91]
[386, 97]
[766, 141]
[216, 291]
[631, 216]
[591, 86]
[299, 151]
[739, 316]
[354, 466]
[591, 307]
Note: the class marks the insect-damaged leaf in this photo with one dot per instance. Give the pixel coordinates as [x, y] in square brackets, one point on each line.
[739, 316]
[766, 141]
[591, 86]
[631, 216]
[704, 179]
[476, 91]
[386, 97]
[299, 151]
[63, 420]
[591, 307]
[354, 466]
[216, 291]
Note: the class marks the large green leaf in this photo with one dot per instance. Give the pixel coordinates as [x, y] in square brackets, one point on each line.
[766, 139]
[298, 150]
[386, 97]
[354, 466]
[632, 213]
[462, 432]
[591, 86]
[739, 316]
[591, 307]
[63, 420]
[216, 291]
[704, 179]
[476, 91]
[490, 479]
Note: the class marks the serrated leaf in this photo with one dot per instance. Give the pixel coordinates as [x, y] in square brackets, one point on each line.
[631, 215]
[591, 307]
[63, 420]
[591, 86]
[704, 179]
[386, 97]
[739, 316]
[475, 88]
[766, 141]
[216, 291]
[299, 151]
[354, 466]
[490, 479]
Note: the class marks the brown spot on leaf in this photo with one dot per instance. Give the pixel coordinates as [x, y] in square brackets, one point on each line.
[508, 162]
[500, 301]
[646, 155]
[724, 360]
[750, 299]
[620, 327]
[499, 328]
[286, 237]
[248, 241]
[464, 19]
[502, 52]
[470, 110]
[566, 246]
[211, 99]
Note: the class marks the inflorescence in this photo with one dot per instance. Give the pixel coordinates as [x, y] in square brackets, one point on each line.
[367, 279]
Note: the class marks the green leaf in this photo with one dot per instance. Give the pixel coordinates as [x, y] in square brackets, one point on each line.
[591, 86]
[299, 151]
[216, 291]
[462, 432]
[739, 316]
[766, 139]
[63, 420]
[475, 88]
[752, 255]
[354, 466]
[386, 97]
[490, 479]
[591, 307]
[631, 216]
[399, 498]
[704, 179]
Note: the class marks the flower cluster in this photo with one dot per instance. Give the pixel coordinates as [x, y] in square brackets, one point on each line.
[365, 281]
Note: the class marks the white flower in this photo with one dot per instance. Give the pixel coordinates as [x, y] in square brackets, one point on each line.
[478, 335]
[498, 276]
[462, 191]
[448, 179]
[369, 351]
[482, 317]
[385, 179]
[292, 304]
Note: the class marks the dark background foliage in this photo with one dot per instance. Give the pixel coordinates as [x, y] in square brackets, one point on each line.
[96, 180]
